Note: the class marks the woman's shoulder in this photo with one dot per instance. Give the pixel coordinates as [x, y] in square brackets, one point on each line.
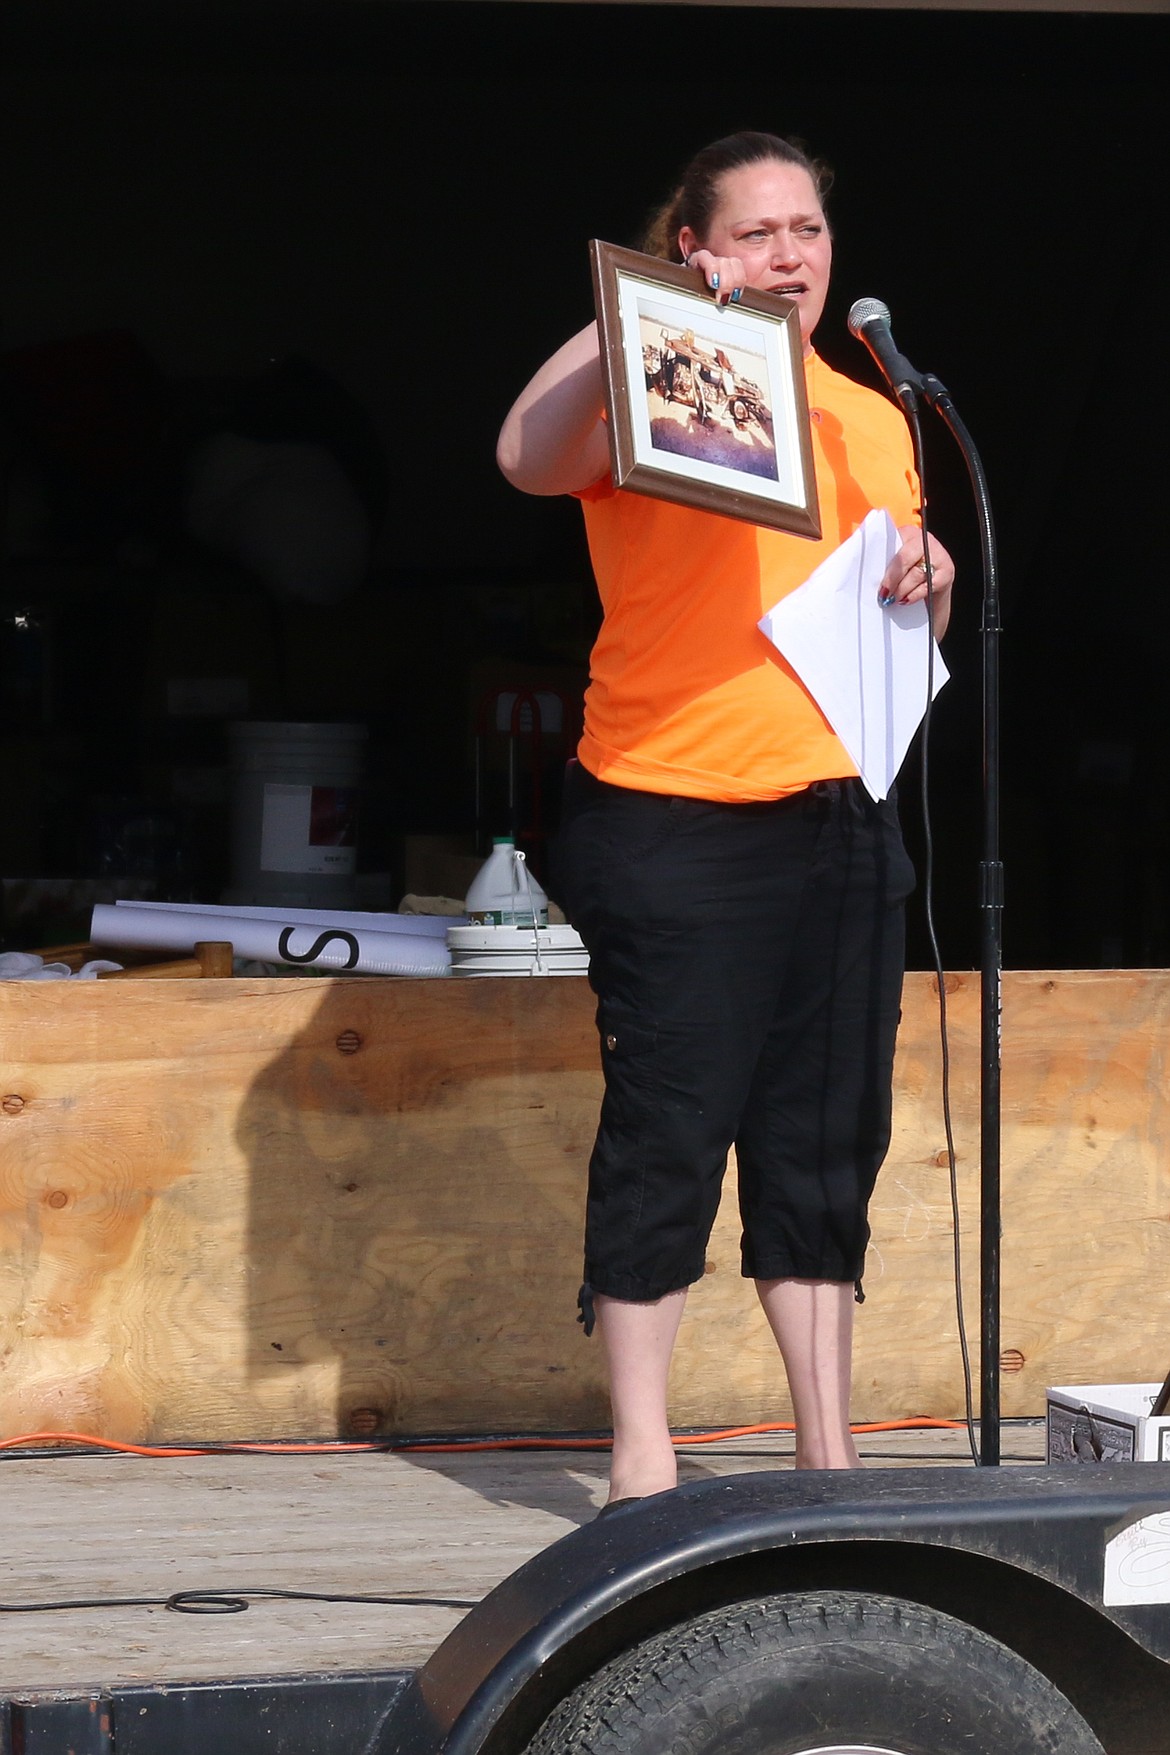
[869, 420]
[836, 388]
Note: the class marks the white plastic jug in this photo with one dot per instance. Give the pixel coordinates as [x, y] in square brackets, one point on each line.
[504, 892]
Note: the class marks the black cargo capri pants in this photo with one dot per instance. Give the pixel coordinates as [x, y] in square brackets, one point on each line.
[747, 960]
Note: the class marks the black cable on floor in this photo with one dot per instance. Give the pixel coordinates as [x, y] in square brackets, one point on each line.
[232, 1601]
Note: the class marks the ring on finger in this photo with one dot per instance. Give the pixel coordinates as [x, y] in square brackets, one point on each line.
[923, 565]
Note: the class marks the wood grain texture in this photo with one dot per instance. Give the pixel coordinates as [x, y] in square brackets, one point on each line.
[416, 1524]
[317, 1207]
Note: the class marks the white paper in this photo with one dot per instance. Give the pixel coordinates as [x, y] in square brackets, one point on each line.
[1137, 1563]
[281, 938]
[351, 920]
[865, 666]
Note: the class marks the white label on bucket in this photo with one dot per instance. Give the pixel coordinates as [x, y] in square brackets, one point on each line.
[308, 829]
[519, 916]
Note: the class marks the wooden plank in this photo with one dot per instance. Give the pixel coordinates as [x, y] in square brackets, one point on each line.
[308, 1207]
[216, 1220]
[1086, 1204]
[417, 1526]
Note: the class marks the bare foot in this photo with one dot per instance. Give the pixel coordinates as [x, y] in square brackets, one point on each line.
[828, 1454]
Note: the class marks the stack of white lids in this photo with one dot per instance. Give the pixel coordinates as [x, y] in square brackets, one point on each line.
[516, 950]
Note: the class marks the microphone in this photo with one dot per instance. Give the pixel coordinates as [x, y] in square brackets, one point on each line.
[869, 322]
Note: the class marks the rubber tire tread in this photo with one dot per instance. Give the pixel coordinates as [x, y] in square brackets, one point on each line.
[836, 1666]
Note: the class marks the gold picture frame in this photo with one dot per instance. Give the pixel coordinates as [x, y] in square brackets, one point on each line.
[706, 403]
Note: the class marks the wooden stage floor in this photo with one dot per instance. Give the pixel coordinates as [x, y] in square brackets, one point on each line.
[429, 1525]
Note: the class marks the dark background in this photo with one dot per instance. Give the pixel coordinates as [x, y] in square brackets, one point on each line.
[401, 194]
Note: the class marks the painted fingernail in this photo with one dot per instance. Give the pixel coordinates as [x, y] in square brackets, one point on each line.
[887, 602]
[714, 283]
[735, 295]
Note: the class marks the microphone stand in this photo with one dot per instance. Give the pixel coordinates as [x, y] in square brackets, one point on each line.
[869, 321]
[991, 947]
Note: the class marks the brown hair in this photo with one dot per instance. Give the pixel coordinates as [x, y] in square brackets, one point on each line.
[695, 199]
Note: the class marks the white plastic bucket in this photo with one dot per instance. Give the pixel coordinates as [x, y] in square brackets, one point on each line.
[516, 950]
[295, 790]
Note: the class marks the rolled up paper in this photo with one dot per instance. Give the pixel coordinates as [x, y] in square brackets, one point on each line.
[277, 938]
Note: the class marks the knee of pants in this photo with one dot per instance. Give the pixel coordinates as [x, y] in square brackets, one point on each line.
[654, 1185]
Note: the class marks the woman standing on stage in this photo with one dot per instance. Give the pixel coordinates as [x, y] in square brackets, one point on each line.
[739, 892]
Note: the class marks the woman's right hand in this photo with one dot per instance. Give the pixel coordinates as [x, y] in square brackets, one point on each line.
[725, 275]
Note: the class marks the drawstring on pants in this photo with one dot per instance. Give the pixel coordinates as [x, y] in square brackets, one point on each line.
[586, 1315]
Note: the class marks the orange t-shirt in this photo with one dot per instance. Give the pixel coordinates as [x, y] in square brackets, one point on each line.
[686, 695]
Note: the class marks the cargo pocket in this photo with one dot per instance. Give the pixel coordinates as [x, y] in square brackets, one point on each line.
[626, 1041]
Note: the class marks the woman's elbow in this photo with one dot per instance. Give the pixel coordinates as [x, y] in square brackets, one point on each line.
[510, 458]
[530, 471]
[548, 467]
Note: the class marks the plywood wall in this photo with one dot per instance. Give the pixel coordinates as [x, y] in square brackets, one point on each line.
[314, 1207]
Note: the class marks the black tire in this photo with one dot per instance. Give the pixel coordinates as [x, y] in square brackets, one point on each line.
[817, 1673]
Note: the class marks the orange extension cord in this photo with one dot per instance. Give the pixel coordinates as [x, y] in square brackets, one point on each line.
[342, 1446]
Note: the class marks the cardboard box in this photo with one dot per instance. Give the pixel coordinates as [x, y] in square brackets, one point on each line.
[1106, 1422]
[437, 865]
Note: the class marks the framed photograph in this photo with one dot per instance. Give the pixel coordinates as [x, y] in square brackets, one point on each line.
[706, 402]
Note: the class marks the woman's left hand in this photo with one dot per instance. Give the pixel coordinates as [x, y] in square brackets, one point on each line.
[905, 577]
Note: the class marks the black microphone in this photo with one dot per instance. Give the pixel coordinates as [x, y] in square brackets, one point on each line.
[869, 322]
